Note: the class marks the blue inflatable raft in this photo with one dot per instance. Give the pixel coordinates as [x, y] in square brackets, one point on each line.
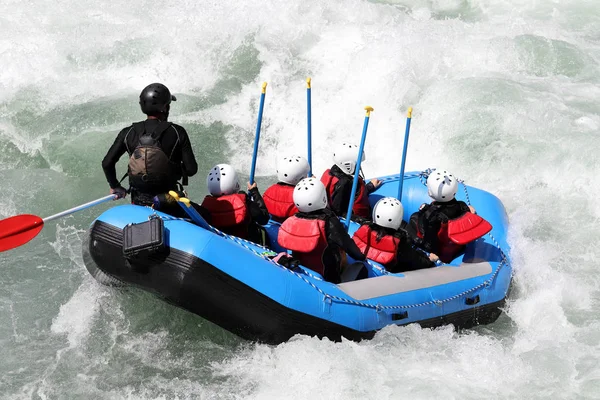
[234, 283]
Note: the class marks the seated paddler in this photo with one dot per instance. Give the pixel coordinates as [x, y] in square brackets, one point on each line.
[315, 235]
[233, 211]
[384, 241]
[279, 197]
[446, 225]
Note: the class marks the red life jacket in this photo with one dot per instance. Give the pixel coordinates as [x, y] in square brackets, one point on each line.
[279, 201]
[307, 240]
[229, 213]
[456, 233]
[468, 228]
[361, 206]
[447, 249]
[383, 251]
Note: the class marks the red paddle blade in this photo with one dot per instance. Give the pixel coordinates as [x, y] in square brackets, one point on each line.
[18, 230]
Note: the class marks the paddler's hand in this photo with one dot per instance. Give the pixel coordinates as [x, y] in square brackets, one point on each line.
[120, 191]
[472, 209]
[252, 186]
[376, 182]
[433, 257]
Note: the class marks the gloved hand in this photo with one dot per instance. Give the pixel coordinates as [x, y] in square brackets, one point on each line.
[376, 182]
[120, 191]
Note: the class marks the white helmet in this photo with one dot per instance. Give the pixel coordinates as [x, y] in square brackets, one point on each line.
[442, 186]
[388, 213]
[310, 195]
[292, 169]
[345, 156]
[222, 179]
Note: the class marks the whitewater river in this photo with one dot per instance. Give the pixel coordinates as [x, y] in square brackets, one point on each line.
[505, 95]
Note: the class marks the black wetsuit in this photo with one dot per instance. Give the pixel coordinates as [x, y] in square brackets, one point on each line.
[176, 145]
[338, 240]
[259, 215]
[429, 220]
[340, 196]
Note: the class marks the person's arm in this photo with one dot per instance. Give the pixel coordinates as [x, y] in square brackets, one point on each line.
[338, 235]
[113, 155]
[187, 154]
[373, 185]
[340, 198]
[464, 207]
[256, 204]
[409, 258]
[430, 232]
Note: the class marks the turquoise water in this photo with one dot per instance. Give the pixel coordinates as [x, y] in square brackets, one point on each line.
[505, 94]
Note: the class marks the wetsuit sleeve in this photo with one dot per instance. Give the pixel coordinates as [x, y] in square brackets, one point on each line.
[338, 235]
[257, 207]
[464, 207]
[409, 258]
[111, 158]
[187, 154]
[370, 187]
[340, 198]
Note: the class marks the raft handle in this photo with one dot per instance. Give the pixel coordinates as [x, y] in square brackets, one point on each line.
[472, 300]
[399, 316]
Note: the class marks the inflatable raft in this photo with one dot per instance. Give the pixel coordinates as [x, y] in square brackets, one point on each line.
[236, 284]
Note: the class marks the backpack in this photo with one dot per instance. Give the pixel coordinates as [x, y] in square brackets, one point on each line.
[150, 170]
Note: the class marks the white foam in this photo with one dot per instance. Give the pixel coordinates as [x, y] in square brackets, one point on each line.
[493, 101]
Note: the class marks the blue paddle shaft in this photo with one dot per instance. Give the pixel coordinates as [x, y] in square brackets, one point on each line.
[308, 115]
[406, 134]
[357, 169]
[257, 135]
[194, 215]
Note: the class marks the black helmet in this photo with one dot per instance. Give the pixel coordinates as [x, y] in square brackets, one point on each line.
[155, 99]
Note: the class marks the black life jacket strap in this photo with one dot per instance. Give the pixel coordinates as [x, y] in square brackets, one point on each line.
[184, 176]
[123, 178]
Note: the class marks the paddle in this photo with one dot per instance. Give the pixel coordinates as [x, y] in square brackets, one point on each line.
[406, 133]
[257, 135]
[357, 167]
[187, 206]
[308, 116]
[20, 229]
